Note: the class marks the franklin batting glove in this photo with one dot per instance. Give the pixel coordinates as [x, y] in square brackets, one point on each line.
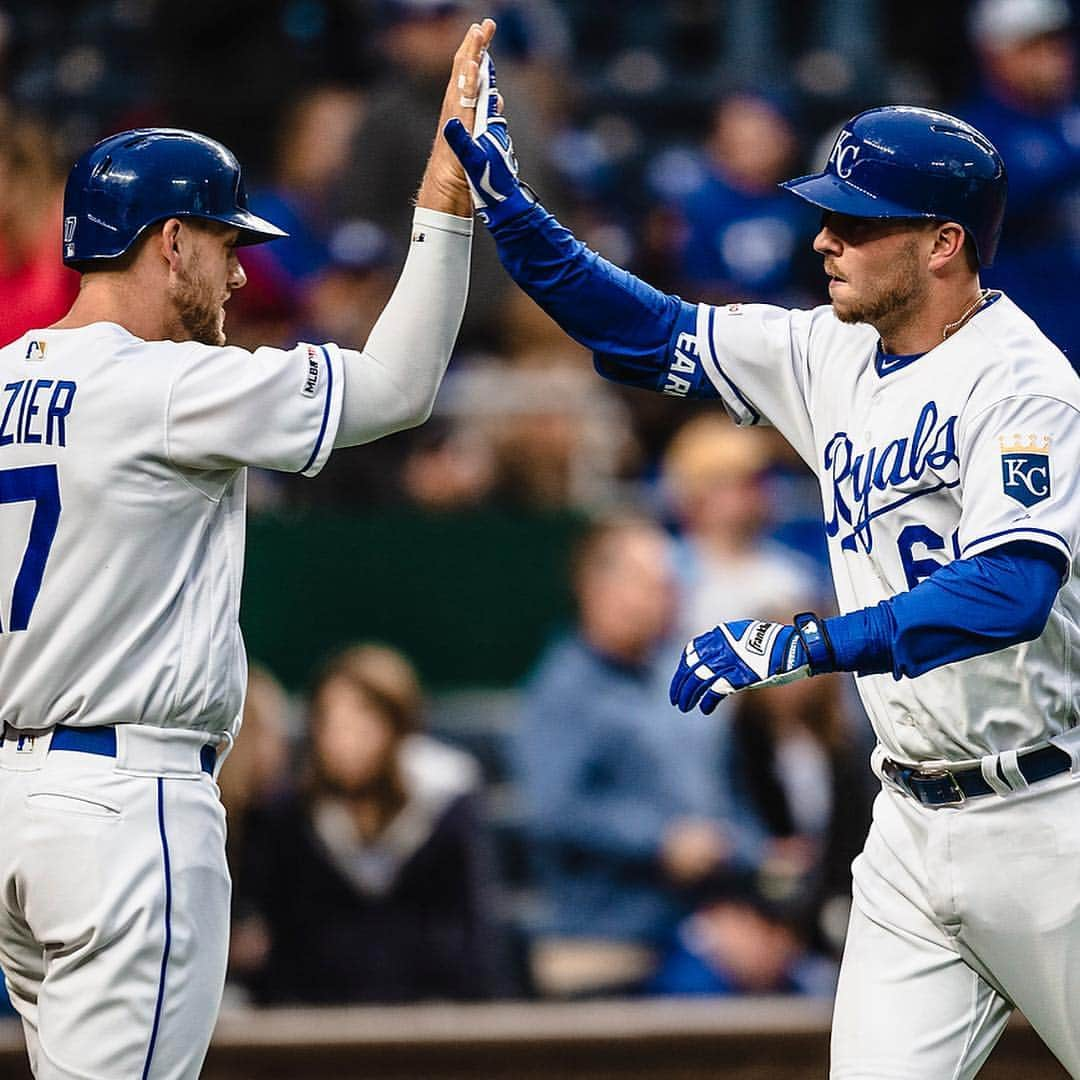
[748, 654]
[488, 158]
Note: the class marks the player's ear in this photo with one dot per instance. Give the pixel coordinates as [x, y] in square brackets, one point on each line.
[169, 238]
[949, 240]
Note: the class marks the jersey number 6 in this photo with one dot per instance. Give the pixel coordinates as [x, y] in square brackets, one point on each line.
[915, 569]
[40, 485]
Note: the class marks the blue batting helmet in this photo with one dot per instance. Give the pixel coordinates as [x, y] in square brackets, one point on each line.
[132, 180]
[904, 162]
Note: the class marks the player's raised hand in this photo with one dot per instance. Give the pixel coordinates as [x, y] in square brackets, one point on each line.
[444, 186]
[487, 155]
[748, 654]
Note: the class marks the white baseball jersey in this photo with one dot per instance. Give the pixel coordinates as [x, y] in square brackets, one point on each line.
[923, 461]
[122, 493]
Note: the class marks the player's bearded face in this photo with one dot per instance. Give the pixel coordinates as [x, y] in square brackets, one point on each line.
[203, 284]
[876, 269]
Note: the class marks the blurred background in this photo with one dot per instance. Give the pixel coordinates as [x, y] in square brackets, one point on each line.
[459, 779]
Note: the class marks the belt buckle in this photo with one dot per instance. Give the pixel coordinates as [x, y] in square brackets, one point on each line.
[949, 785]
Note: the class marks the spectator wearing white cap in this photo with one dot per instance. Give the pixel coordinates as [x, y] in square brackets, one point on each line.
[1026, 106]
[1026, 53]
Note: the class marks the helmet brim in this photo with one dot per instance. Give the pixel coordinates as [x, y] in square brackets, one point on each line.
[253, 229]
[829, 192]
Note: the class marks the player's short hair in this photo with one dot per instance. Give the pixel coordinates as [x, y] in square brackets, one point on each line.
[971, 253]
[126, 259]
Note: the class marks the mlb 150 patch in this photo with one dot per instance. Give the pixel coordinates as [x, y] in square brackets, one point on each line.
[1025, 467]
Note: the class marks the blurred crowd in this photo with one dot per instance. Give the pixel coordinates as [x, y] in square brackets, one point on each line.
[576, 836]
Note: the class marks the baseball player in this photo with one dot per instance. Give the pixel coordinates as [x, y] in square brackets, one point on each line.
[943, 427]
[124, 433]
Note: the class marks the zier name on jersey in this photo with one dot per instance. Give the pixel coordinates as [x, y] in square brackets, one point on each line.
[36, 411]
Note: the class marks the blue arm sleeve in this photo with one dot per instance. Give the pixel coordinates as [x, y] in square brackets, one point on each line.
[639, 335]
[967, 608]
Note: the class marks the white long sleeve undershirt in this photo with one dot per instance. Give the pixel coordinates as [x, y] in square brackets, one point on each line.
[392, 383]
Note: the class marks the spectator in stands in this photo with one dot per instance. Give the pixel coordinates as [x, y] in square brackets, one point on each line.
[341, 300]
[716, 478]
[742, 942]
[623, 799]
[311, 155]
[452, 468]
[798, 763]
[345, 297]
[1027, 108]
[258, 772]
[373, 885]
[393, 141]
[35, 287]
[311, 151]
[257, 776]
[740, 238]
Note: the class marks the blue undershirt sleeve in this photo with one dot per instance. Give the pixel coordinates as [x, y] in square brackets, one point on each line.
[967, 608]
[639, 335]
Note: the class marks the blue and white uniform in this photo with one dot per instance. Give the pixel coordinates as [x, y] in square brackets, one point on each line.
[122, 667]
[951, 494]
[950, 488]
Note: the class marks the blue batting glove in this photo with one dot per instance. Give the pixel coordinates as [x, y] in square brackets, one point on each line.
[748, 654]
[487, 156]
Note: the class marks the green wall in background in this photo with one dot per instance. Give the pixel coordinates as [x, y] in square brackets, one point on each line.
[471, 598]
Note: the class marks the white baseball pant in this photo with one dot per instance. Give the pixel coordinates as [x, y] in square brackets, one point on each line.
[114, 905]
[960, 914]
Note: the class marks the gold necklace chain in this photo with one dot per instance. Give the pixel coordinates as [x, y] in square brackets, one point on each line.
[980, 300]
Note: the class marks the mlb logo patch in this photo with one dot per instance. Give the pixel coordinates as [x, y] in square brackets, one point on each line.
[35, 350]
[311, 382]
[1025, 468]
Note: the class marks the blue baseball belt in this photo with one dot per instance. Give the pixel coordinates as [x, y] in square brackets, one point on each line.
[951, 787]
[102, 741]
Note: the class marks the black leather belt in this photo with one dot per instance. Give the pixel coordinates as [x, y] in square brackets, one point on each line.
[951, 787]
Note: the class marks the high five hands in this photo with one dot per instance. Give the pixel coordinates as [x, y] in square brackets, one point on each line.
[487, 155]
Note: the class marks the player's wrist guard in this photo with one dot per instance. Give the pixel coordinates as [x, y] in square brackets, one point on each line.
[815, 641]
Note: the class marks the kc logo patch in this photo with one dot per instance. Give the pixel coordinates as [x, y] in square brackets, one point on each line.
[1025, 467]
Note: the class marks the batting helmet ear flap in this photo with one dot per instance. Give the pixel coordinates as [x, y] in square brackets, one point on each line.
[900, 161]
[129, 181]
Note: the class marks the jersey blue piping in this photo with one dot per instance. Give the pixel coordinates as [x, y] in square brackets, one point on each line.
[756, 416]
[897, 362]
[326, 410]
[1019, 529]
[168, 929]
